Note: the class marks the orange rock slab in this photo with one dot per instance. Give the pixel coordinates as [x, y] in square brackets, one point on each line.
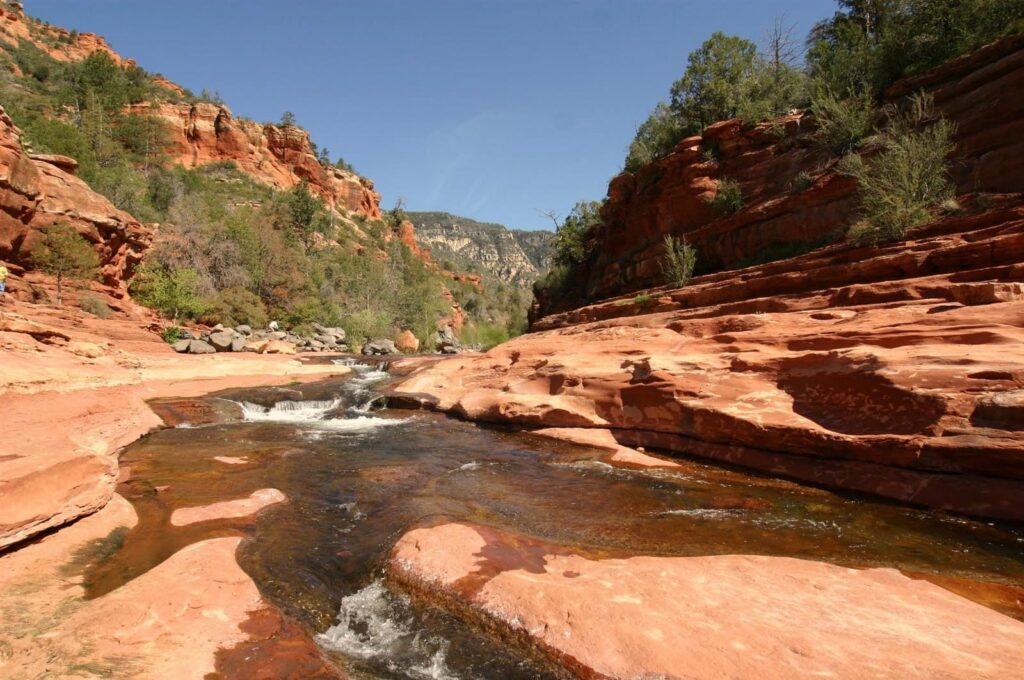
[729, 616]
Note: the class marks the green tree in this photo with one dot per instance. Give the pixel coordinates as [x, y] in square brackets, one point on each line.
[304, 209]
[569, 242]
[173, 292]
[64, 254]
[716, 82]
[655, 138]
[287, 119]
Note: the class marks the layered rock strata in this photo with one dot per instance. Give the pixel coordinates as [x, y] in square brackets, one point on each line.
[37, 191]
[794, 200]
[896, 370]
[279, 156]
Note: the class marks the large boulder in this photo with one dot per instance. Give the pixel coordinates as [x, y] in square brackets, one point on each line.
[222, 341]
[379, 348]
[181, 346]
[407, 342]
[446, 342]
[200, 347]
[279, 347]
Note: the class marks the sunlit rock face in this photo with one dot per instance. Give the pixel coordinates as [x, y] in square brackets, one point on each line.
[794, 200]
[279, 156]
[894, 369]
[39, 190]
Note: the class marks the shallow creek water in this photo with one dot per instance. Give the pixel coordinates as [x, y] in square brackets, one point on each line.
[357, 478]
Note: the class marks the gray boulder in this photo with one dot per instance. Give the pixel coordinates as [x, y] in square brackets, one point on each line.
[200, 347]
[446, 342]
[243, 329]
[222, 340]
[379, 347]
[181, 346]
[238, 344]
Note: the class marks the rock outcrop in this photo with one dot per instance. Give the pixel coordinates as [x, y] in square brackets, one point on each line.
[794, 200]
[511, 255]
[894, 370]
[279, 156]
[723, 616]
[37, 191]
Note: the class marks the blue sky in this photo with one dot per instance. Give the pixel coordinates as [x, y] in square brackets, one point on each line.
[492, 109]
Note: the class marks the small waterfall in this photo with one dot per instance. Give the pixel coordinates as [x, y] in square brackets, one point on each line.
[289, 411]
[378, 625]
[323, 415]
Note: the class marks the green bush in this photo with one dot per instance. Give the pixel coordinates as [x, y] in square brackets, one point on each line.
[655, 138]
[679, 261]
[171, 334]
[802, 182]
[729, 198]
[483, 335]
[843, 123]
[172, 292]
[906, 179]
[95, 306]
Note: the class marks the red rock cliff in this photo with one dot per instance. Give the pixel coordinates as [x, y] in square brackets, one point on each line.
[983, 93]
[36, 191]
[896, 370]
[280, 156]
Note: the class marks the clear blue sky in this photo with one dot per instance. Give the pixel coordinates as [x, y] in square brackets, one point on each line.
[492, 109]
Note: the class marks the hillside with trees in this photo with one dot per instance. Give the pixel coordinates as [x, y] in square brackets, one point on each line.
[233, 246]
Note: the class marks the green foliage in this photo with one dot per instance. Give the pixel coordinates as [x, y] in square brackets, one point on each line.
[802, 182]
[728, 199]
[287, 119]
[173, 292]
[725, 78]
[902, 183]
[95, 306]
[843, 122]
[871, 43]
[171, 334]
[64, 254]
[570, 236]
[484, 335]
[655, 138]
[305, 217]
[715, 83]
[679, 261]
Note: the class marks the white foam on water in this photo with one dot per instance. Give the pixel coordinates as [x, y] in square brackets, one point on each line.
[359, 424]
[699, 513]
[288, 411]
[375, 624]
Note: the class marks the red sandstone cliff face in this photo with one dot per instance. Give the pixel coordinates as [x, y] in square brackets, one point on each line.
[280, 156]
[895, 370]
[983, 93]
[36, 191]
[59, 43]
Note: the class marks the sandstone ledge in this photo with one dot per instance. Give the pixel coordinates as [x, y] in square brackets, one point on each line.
[730, 616]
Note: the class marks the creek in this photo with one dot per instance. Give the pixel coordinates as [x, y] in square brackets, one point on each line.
[357, 476]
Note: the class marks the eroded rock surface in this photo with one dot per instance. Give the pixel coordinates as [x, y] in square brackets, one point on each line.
[37, 191]
[890, 370]
[727, 616]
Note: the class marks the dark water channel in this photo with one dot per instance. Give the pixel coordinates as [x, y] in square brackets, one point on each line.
[357, 478]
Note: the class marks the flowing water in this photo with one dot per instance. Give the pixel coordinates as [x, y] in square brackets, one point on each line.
[357, 477]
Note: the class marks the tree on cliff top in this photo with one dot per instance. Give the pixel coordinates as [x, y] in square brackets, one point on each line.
[714, 84]
[64, 254]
